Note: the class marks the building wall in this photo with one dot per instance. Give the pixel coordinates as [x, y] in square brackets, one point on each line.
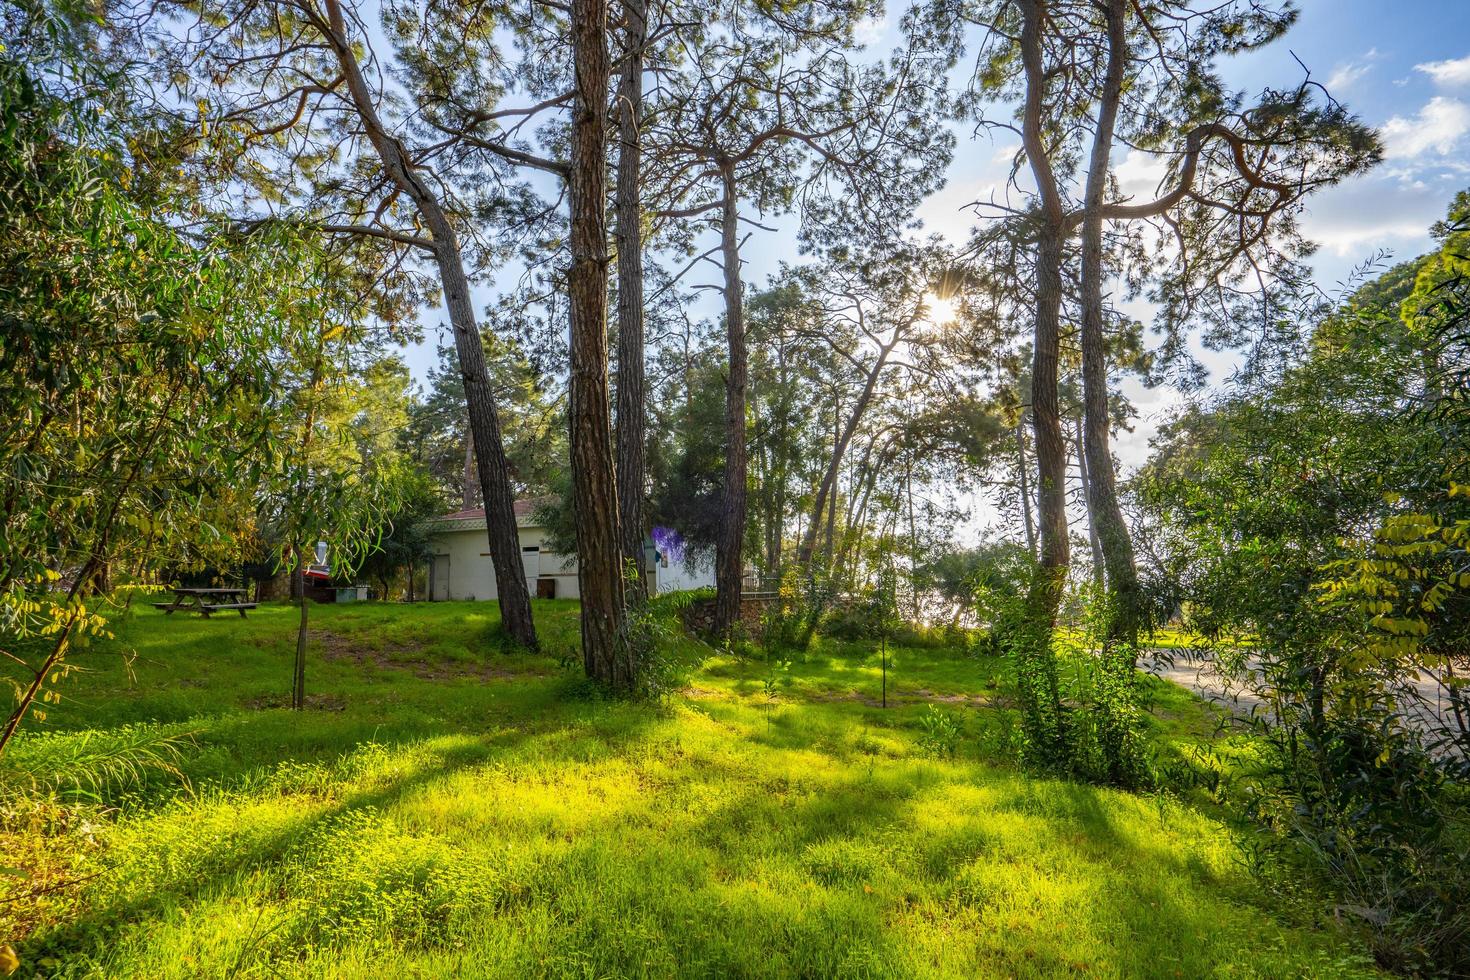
[675, 576]
[472, 574]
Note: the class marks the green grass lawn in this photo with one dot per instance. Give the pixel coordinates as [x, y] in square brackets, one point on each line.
[444, 809]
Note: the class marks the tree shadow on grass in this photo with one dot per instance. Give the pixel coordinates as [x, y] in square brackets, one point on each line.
[1150, 910]
[96, 931]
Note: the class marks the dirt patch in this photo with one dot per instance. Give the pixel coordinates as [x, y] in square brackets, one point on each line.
[314, 702]
[896, 700]
[407, 656]
[972, 700]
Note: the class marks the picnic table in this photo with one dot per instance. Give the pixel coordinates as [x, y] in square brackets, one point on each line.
[207, 601]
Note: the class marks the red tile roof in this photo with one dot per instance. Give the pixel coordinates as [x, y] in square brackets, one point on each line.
[521, 508]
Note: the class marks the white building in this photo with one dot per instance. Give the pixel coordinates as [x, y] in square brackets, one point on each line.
[461, 567]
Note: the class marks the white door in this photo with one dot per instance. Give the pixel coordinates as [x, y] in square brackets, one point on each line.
[531, 562]
[439, 579]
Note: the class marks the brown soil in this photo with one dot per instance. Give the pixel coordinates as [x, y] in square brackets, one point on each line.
[404, 656]
[314, 702]
[866, 698]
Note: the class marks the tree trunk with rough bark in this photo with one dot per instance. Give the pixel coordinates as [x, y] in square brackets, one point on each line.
[778, 517]
[728, 567]
[1112, 528]
[512, 593]
[605, 651]
[471, 482]
[628, 215]
[511, 590]
[1092, 539]
[1024, 470]
[857, 517]
[1051, 446]
[1046, 420]
[908, 486]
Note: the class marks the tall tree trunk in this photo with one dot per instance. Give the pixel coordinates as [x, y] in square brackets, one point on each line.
[1051, 446]
[778, 518]
[1112, 527]
[728, 568]
[471, 482]
[861, 477]
[831, 525]
[829, 478]
[781, 454]
[605, 651]
[1038, 678]
[629, 231]
[1046, 420]
[908, 485]
[857, 520]
[1092, 539]
[766, 477]
[512, 593]
[1024, 469]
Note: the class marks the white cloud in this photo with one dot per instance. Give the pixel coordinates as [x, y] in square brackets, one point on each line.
[1343, 76]
[949, 212]
[1155, 406]
[1347, 74]
[1453, 73]
[1438, 126]
[1006, 154]
[1140, 175]
[1356, 219]
[1351, 242]
[870, 30]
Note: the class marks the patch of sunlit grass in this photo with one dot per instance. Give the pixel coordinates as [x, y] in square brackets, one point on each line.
[511, 826]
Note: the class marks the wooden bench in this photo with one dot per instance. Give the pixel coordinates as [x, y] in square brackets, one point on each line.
[205, 610]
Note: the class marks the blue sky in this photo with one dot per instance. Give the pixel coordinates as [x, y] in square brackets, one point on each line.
[1403, 67]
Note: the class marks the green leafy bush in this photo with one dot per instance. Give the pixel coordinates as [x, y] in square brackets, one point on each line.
[803, 601]
[1081, 698]
[1304, 530]
[939, 733]
[655, 628]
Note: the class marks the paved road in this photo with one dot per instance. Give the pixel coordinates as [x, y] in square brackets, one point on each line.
[1201, 678]
[1432, 709]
